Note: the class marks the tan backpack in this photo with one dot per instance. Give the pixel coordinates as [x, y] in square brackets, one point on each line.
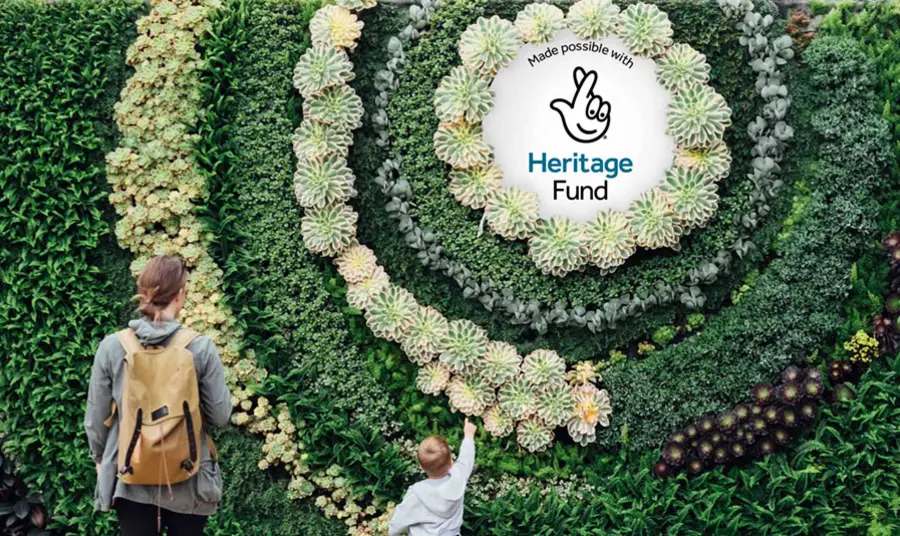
[160, 419]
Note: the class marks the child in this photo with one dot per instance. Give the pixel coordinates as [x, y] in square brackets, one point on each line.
[434, 506]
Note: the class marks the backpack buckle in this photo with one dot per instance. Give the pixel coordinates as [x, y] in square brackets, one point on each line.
[187, 466]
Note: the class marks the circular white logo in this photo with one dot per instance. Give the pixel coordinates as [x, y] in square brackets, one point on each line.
[580, 123]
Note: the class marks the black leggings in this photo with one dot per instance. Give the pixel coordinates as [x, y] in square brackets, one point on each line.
[138, 519]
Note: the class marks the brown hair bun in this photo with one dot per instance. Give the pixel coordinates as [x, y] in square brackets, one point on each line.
[159, 284]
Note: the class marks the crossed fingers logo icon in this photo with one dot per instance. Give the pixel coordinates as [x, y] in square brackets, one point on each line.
[586, 116]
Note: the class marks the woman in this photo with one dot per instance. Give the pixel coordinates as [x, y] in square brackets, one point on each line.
[144, 509]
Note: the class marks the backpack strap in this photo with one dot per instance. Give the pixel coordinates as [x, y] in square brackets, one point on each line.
[182, 338]
[130, 342]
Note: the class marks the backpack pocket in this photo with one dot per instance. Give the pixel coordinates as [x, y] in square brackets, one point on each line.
[209, 482]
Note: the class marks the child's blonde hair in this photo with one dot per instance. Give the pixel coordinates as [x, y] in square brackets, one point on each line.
[434, 456]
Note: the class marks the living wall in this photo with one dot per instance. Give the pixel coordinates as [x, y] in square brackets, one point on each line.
[788, 271]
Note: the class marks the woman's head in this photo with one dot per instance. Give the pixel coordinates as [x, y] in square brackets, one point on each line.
[161, 287]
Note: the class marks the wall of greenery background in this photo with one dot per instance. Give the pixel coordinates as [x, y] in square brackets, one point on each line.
[65, 282]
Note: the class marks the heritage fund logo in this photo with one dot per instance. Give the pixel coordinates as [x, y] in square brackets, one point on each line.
[586, 116]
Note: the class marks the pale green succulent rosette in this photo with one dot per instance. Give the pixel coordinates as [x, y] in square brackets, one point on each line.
[557, 246]
[714, 161]
[433, 378]
[425, 339]
[391, 313]
[517, 398]
[461, 145]
[539, 23]
[336, 105]
[470, 394]
[319, 183]
[329, 230]
[356, 263]
[682, 67]
[692, 195]
[335, 26]
[513, 213]
[609, 240]
[316, 140]
[555, 404]
[500, 363]
[474, 186]
[593, 19]
[320, 67]
[489, 45]
[543, 368]
[534, 435]
[645, 29]
[497, 423]
[463, 95]
[698, 117]
[653, 221]
[356, 5]
[464, 346]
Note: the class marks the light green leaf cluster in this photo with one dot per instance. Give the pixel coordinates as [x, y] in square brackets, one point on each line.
[539, 23]
[319, 183]
[320, 67]
[489, 45]
[316, 140]
[543, 368]
[470, 394]
[682, 67]
[329, 230]
[555, 404]
[339, 106]
[335, 26]
[698, 117]
[433, 378]
[361, 293]
[425, 339]
[500, 364]
[593, 19]
[474, 186]
[714, 161]
[496, 422]
[391, 313]
[356, 263]
[461, 144]
[534, 435]
[653, 221]
[512, 213]
[645, 29]
[462, 94]
[692, 195]
[558, 246]
[517, 398]
[609, 240]
[464, 346]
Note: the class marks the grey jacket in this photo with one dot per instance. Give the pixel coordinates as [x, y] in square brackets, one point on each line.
[199, 495]
[434, 507]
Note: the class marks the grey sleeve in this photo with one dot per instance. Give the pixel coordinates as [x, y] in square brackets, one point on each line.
[402, 518]
[99, 402]
[215, 399]
[465, 461]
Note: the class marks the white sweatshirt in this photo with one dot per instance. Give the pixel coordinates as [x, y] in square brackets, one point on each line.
[434, 507]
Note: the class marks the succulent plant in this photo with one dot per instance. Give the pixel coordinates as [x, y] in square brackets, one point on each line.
[692, 196]
[645, 29]
[679, 436]
[812, 388]
[758, 425]
[682, 67]
[464, 346]
[360, 294]
[318, 183]
[357, 5]
[808, 410]
[489, 45]
[792, 374]
[698, 117]
[533, 435]
[501, 363]
[763, 394]
[843, 393]
[609, 241]
[780, 436]
[463, 95]
[691, 431]
[714, 161]
[737, 450]
[391, 313]
[517, 398]
[336, 105]
[705, 448]
[742, 412]
[356, 263]
[720, 455]
[765, 447]
[674, 454]
[557, 246]
[512, 213]
[496, 422]
[592, 408]
[789, 417]
[695, 466]
[789, 393]
[726, 422]
[474, 186]
[320, 67]
[425, 338]
[317, 140]
[539, 23]
[663, 470]
[544, 367]
[555, 404]
[328, 230]
[770, 414]
[593, 19]
[433, 378]
[461, 145]
[583, 373]
[653, 221]
[335, 26]
[470, 394]
[706, 425]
